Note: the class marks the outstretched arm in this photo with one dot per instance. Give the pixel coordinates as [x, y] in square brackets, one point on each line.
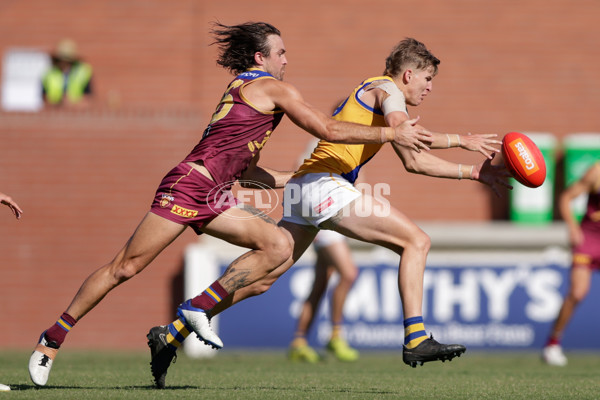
[428, 164]
[14, 207]
[307, 117]
[483, 143]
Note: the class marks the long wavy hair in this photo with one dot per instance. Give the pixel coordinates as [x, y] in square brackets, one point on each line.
[238, 44]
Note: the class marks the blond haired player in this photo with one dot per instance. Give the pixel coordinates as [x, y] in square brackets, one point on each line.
[251, 108]
[321, 194]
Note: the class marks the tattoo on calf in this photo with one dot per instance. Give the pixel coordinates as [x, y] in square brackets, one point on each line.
[234, 278]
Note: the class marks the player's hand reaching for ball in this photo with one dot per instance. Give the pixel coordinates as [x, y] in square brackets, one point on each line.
[492, 175]
[481, 143]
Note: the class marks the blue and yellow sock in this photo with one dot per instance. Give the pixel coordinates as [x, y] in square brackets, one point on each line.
[414, 332]
[177, 334]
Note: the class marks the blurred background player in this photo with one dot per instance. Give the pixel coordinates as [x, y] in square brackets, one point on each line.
[585, 241]
[333, 255]
[68, 82]
[14, 207]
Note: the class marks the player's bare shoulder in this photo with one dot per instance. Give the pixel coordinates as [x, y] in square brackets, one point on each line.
[265, 94]
[280, 94]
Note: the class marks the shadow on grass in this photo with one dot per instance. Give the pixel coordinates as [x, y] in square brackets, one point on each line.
[174, 388]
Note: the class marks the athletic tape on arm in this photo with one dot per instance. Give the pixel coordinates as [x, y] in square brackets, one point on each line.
[395, 101]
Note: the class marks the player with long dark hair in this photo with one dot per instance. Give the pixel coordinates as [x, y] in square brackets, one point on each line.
[322, 195]
[248, 113]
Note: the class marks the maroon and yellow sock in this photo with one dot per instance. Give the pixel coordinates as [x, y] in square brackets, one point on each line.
[58, 332]
[210, 297]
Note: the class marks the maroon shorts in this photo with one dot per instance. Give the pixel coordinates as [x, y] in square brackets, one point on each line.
[187, 197]
[587, 254]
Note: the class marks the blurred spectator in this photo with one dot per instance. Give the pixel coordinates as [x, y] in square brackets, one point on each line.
[68, 81]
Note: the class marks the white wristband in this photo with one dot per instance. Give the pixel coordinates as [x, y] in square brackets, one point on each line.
[459, 172]
[448, 137]
[458, 138]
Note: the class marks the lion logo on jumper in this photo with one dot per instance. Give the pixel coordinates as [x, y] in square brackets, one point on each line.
[166, 199]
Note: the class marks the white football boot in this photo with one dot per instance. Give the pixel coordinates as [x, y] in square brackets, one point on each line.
[40, 362]
[197, 319]
[553, 355]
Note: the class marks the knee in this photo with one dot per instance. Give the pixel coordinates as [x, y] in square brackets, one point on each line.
[577, 296]
[349, 276]
[278, 249]
[421, 242]
[124, 271]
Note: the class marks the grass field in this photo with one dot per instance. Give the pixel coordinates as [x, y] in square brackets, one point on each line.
[269, 375]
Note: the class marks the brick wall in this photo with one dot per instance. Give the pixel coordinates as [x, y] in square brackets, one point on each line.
[86, 178]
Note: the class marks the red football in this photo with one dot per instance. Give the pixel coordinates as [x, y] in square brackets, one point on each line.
[523, 159]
